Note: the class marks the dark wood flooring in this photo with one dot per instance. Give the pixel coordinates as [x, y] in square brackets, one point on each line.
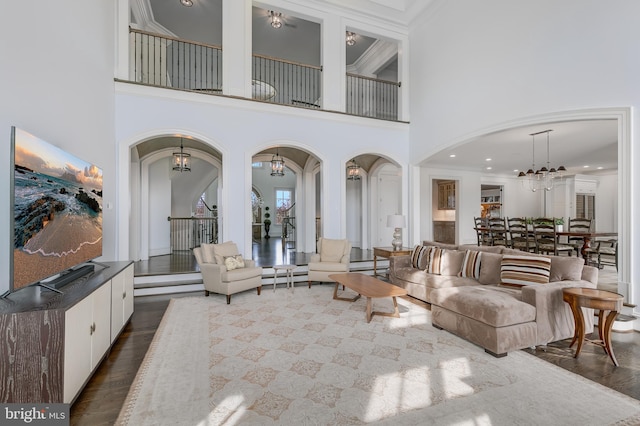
[103, 397]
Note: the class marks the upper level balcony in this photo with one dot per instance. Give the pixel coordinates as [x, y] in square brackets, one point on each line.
[174, 62]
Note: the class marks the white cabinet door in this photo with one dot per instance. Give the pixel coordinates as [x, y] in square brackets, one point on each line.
[101, 320]
[128, 293]
[77, 347]
[121, 300]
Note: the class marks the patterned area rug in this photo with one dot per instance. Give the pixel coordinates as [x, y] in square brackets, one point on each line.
[302, 358]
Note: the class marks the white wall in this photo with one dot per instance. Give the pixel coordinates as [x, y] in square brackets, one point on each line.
[354, 212]
[607, 203]
[239, 130]
[485, 64]
[57, 83]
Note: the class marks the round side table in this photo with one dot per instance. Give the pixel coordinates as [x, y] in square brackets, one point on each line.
[288, 274]
[605, 302]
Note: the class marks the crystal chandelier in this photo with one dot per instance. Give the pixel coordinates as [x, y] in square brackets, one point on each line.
[543, 178]
[353, 170]
[276, 21]
[277, 165]
[181, 160]
[351, 38]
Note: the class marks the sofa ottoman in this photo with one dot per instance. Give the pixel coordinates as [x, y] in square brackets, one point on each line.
[490, 316]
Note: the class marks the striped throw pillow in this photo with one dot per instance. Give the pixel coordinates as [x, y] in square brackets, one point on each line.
[471, 265]
[419, 257]
[435, 260]
[518, 271]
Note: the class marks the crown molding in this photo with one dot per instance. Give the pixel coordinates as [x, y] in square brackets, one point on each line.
[143, 14]
[376, 57]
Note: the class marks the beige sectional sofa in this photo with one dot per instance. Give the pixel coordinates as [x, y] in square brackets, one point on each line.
[485, 311]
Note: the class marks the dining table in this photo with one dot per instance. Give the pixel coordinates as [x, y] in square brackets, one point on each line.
[586, 238]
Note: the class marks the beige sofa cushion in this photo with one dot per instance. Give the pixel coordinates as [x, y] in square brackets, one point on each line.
[490, 268]
[485, 304]
[490, 249]
[451, 262]
[566, 268]
[441, 245]
[206, 252]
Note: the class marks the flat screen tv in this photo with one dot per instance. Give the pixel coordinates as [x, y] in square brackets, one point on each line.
[57, 210]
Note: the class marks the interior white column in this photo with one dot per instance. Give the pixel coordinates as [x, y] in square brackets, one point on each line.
[333, 193]
[403, 78]
[122, 39]
[236, 48]
[333, 64]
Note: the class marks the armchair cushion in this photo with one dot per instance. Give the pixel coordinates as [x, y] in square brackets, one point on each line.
[233, 262]
[332, 250]
[220, 251]
[207, 253]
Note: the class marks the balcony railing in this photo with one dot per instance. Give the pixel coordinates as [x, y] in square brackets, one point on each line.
[190, 232]
[370, 97]
[286, 83]
[170, 62]
[164, 61]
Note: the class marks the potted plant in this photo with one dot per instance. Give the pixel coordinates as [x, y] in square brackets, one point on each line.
[559, 222]
[267, 222]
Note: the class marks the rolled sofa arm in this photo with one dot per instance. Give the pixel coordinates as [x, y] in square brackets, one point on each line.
[553, 315]
[403, 261]
[212, 276]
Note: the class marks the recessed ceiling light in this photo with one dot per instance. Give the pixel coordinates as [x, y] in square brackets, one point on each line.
[585, 167]
[187, 3]
[516, 170]
[487, 159]
[452, 156]
[600, 168]
[489, 168]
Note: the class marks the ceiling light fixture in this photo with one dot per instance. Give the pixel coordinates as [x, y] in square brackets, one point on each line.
[351, 38]
[181, 160]
[353, 170]
[277, 165]
[544, 177]
[276, 19]
[187, 3]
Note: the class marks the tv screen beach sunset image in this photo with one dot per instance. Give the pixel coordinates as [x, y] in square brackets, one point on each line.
[57, 210]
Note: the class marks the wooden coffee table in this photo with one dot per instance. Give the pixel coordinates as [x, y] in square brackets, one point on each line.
[604, 301]
[369, 287]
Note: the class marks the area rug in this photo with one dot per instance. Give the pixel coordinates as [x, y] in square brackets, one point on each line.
[301, 358]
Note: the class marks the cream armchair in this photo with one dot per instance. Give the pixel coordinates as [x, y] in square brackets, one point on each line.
[333, 256]
[224, 271]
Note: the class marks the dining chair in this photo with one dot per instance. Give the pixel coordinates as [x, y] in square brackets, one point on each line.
[519, 235]
[605, 253]
[499, 230]
[544, 230]
[578, 224]
[480, 224]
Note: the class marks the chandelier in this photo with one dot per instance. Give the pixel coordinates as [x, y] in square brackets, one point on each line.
[543, 178]
[277, 165]
[187, 3]
[353, 170]
[181, 160]
[351, 38]
[276, 21]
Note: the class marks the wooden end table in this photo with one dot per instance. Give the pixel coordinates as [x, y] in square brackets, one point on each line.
[386, 252]
[603, 301]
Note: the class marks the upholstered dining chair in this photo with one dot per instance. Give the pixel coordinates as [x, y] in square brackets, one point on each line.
[520, 236]
[544, 230]
[333, 256]
[498, 230]
[481, 225]
[578, 224]
[225, 271]
[605, 252]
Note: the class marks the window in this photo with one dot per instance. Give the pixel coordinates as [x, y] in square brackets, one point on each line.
[284, 201]
[586, 206]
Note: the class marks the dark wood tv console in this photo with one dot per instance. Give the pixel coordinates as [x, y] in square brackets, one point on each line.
[50, 343]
